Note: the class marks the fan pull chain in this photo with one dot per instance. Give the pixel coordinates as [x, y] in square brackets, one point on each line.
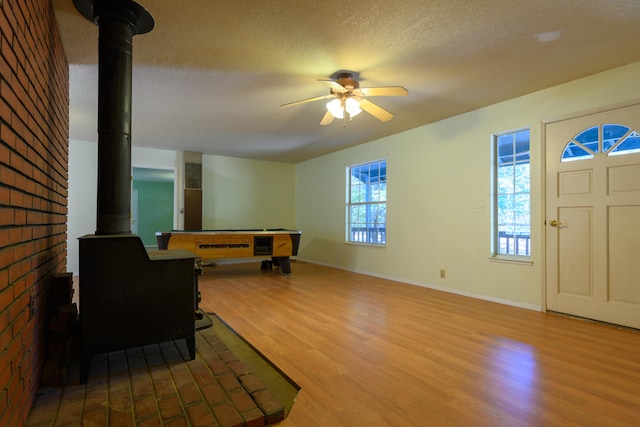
[344, 114]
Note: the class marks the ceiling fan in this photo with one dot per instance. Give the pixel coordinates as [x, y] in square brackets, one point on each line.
[349, 99]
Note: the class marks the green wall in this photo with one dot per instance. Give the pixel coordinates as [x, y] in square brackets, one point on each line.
[155, 209]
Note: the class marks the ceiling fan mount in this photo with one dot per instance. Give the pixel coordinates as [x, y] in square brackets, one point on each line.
[347, 81]
[350, 99]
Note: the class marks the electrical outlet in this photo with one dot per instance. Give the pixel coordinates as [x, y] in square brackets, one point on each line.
[443, 274]
[479, 207]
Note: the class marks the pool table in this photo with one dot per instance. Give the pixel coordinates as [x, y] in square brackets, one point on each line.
[278, 243]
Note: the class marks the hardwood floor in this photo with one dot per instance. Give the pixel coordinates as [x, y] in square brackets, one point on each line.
[372, 352]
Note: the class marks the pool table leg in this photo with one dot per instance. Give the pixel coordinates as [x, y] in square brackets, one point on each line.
[284, 263]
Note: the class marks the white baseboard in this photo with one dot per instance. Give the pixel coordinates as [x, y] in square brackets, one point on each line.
[518, 304]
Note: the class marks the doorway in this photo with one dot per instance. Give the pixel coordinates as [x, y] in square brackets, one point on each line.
[154, 191]
[593, 216]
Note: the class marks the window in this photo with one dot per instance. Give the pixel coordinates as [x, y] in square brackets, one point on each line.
[512, 201]
[609, 139]
[367, 203]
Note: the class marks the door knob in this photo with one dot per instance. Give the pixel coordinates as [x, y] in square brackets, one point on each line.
[554, 223]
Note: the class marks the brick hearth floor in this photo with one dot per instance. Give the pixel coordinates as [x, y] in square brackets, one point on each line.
[158, 386]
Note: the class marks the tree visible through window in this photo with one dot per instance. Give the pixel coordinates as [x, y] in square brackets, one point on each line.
[512, 201]
[367, 203]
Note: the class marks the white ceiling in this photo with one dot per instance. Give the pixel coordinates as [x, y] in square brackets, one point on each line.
[211, 75]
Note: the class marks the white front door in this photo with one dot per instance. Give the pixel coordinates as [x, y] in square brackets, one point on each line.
[593, 216]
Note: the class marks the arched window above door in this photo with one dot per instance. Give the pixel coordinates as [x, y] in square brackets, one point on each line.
[607, 139]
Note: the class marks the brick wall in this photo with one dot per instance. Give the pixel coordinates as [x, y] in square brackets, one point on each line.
[34, 133]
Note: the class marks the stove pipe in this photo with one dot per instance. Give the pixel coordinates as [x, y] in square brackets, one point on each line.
[118, 22]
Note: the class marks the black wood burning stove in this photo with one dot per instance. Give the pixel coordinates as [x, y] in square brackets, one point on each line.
[129, 296]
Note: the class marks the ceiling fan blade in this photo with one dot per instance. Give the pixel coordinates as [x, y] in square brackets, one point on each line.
[384, 91]
[304, 101]
[376, 111]
[327, 119]
[334, 85]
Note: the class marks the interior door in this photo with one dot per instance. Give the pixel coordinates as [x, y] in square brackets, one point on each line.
[593, 216]
[134, 211]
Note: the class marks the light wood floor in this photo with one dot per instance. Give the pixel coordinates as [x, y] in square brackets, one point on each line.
[372, 352]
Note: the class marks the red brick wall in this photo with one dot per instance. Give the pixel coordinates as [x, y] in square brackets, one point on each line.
[34, 134]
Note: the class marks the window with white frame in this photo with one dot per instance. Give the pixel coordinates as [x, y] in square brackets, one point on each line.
[367, 203]
[512, 198]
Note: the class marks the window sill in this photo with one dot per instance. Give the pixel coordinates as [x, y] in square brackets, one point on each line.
[519, 260]
[368, 245]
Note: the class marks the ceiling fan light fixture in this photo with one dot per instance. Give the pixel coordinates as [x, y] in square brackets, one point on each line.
[353, 107]
[335, 108]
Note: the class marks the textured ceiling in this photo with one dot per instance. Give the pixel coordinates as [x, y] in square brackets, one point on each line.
[211, 75]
